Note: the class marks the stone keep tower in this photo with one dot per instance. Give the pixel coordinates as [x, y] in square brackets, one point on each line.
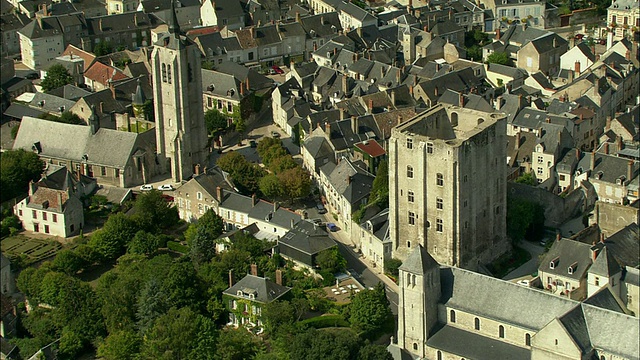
[419, 287]
[181, 133]
[447, 186]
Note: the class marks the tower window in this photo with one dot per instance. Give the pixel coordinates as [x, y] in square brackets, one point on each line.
[412, 218]
[452, 316]
[164, 73]
[527, 339]
[169, 74]
[409, 143]
[415, 346]
[409, 244]
[477, 324]
[501, 331]
[439, 204]
[429, 148]
[439, 179]
[410, 196]
[410, 172]
[439, 226]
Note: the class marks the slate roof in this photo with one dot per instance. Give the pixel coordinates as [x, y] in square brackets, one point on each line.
[544, 43]
[50, 103]
[257, 81]
[608, 166]
[605, 264]
[264, 290]
[606, 299]
[488, 297]
[120, 22]
[44, 27]
[213, 178]
[510, 71]
[624, 246]
[307, 238]
[470, 345]
[13, 21]
[220, 84]
[471, 101]
[17, 111]
[74, 141]
[322, 25]
[88, 57]
[69, 92]
[567, 253]
[378, 224]
[280, 216]
[419, 261]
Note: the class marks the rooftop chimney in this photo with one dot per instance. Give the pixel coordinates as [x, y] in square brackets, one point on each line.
[322, 20]
[593, 160]
[577, 68]
[327, 128]
[275, 206]
[518, 140]
[359, 31]
[345, 84]
[558, 236]
[608, 124]
[393, 97]
[342, 112]
[354, 124]
[197, 169]
[219, 193]
[461, 99]
[435, 91]
[291, 224]
[253, 200]
[554, 42]
[620, 143]
[279, 277]
[254, 269]
[370, 105]
[231, 278]
[497, 34]
[602, 238]
[629, 170]
[297, 16]
[253, 32]
[411, 90]
[100, 24]
[135, 19]
[627, 55]
[606, 148]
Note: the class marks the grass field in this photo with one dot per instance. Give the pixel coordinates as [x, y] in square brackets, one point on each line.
[33, 249]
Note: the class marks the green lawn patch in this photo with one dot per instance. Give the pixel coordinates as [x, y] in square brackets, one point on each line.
[176, 246]
[28, 249]
[509, 262]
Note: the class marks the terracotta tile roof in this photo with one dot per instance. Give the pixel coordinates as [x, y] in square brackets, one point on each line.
[203, 31]
[102, 73]
[86, 56]
[43, 194]
[245, 39]
[371, 148]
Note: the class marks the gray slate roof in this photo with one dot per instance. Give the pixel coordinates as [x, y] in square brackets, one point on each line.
[419, 261]
[307, 238]
[264, 290]
[568, 253]
[470, 345]
[605, 264]
[606, 299]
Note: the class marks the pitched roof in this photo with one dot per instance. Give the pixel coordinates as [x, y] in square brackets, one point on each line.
[307, 238]
[564, 254]
[606, 299]
[103, 73]
[471, 345]
[371, 148]
[263, 290]
[419, 261]
[605, 264]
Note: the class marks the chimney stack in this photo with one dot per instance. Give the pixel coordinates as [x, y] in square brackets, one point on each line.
[254, 269]
[291, 224]
[620, 143]
[322, 20]
[608, 124]
[297, 16]
[577, 154]
[461, 99]
[100, 24]
[497, 34]
[253, 200]
[359, 31]
[101, 106]
[231, 280]
[275, 206]
[253, 32]
[370, 105]
[627, 55]
[577, 68]
[135, 19]
[435, 91]
[411, 90]
[342, 112]
[354, 124]
[606, 148]
[393, 97]
[558, 237]
[241, 89]
[518, 140]
[345, 84]
[279, 277]
[197, 169]
[602, 238]
[220, 193]
[247, 84]
[327, 128]
[593, 160]
[629, 170]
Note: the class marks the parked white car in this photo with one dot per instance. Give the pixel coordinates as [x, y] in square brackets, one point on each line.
[166, 187]
[526, 283]
[146, 187]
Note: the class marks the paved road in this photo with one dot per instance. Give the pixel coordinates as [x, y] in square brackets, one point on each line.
[525, 270]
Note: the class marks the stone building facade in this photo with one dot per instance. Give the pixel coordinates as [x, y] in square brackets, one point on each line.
[447, 186]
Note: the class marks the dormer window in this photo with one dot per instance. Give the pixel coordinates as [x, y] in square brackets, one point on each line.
[621, 180]
[252, 296]
[554, 263]
[572, 268]
[240, 293]
[599, 175]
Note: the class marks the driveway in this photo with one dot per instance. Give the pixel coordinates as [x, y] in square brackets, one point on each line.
[525, 270]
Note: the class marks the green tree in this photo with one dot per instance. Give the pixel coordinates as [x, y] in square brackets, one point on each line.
[525, 219]
[202, 247]
[369, 310]
[215, 121]
[527, 178]
[103, 48]
[380, 188]
[153, 212]
[121, 345]
[331, 260]
[110, 241]
[374, 352]
[498, 57]
[283, 163]
[68, 117]
[152, 303]
[246, 176]
[296, 183]
[270, 186]
[180, 335]
[210, 223]
[17, 168]
[183, 286]
[236, 344]
[265, 144]
[57, 76]
[324, 344]
[391, 266]
[145, 243]
[276, 314]
[68, 262]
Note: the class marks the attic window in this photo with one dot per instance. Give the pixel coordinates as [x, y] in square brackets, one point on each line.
[240, 293]
[554, 263]
[36, 147]
[210, 87]
[599, 175]
[572, 268]
[620, 180]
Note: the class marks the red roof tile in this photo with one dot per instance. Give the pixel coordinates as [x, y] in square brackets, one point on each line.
[371, 148]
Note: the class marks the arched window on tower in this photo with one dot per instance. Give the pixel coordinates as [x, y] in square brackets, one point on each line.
[169, 74]
[477, 324]
[501, 331]
[452, 316]
[164, 73]
[527, 339]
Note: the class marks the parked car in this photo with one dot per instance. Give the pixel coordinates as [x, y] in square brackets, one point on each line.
[166, 187]
[603, 42]
[275, 134]
[332, 227]
[526, 283]
[579, 36]
[253, 144]
[544, 242]
[277, 69]
[146, 187]
[316, 221]
[321, 209]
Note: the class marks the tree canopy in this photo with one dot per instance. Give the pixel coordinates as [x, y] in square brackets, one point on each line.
[525, 219]
[369, 310]
[498, 57]
[17, 168]
[57, 76]
[215, 121]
